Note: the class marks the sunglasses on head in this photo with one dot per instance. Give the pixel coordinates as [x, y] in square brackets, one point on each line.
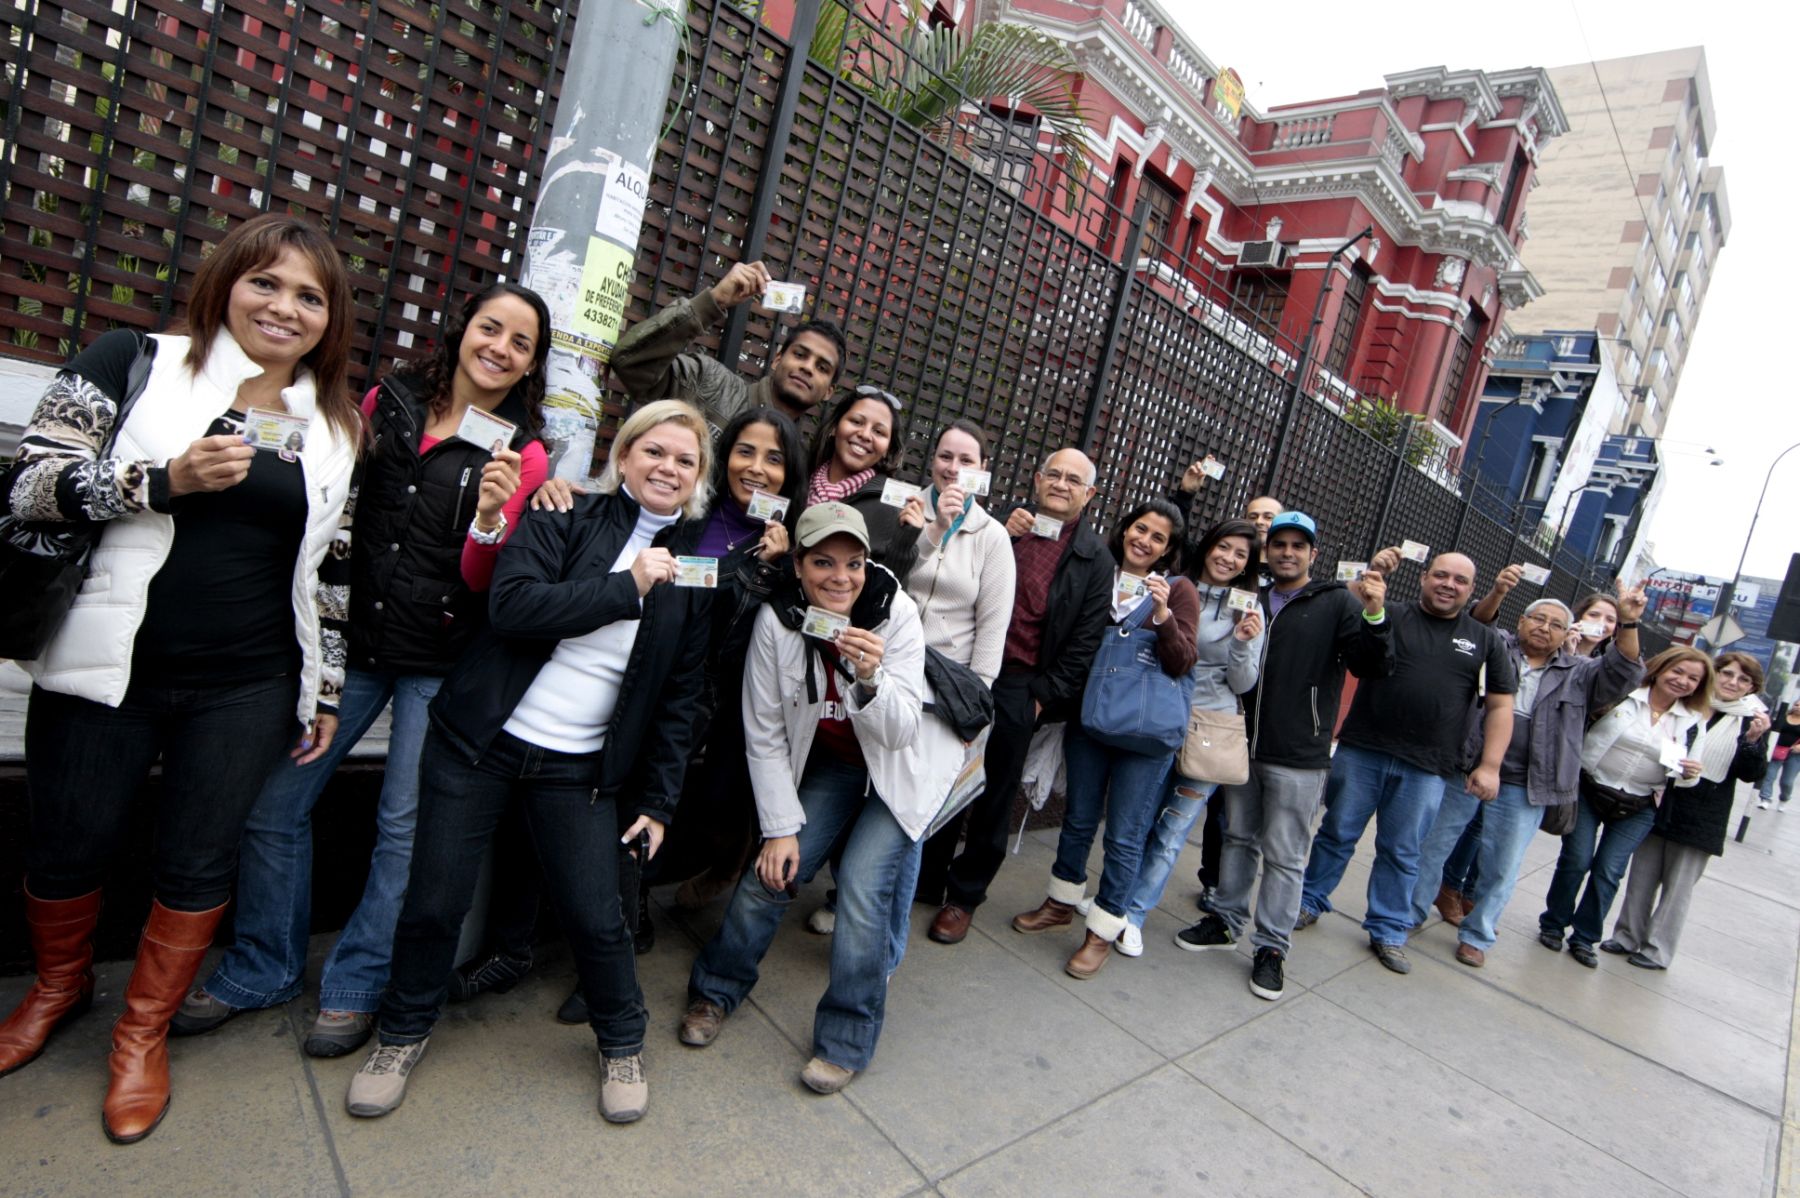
[870, 391]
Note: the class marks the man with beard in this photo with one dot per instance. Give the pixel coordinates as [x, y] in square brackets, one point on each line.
[653, 362]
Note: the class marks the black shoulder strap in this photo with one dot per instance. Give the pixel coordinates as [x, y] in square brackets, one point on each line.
[135, 380]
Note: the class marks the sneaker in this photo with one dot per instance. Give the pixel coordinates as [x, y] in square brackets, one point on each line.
[1763, 804]
[380, 1085]
[822, 1077]
[624, 1093]
[1584, 955]
[1305, 919]
[495, 974]
[200, 1012]
[339, 1033]
[1265, 974]
[1131, 941]
[1550, 940]
[1392, 956]
[1211, 932]
[1613, 947]
[823, 921]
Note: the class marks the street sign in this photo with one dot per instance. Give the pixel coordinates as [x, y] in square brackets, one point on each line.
[1719, 637]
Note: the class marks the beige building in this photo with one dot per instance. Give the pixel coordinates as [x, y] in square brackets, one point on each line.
[1628, 219]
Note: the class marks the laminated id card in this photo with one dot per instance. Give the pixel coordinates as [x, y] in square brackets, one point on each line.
[895, 493]
[1241, 600]
[974, 482]
[1415, 551]
[282, 432]
[697, 572]
[784, 297]
[766, 507]
[823, 624]
[1044, 526]
[1350, 571]
[1212, 467]
[485, 429]
[1537, 576]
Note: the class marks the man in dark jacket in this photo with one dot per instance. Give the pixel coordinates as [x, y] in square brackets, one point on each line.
[1316, 631]
[1542, 767]
[1060, 609]
[653, 362]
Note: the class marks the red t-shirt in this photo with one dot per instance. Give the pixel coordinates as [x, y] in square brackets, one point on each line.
[836, 734]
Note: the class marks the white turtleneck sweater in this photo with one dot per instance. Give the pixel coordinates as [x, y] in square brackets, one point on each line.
[571, 701]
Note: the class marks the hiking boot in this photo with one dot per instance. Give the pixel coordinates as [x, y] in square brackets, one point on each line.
[339, 1033]
[700, 1026]
[493, 974]
[624, 1093]
[200, 1012]
[1305, 919]
[380, 1085]
[1266, 979]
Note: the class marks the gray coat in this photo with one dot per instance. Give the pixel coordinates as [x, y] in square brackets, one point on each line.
[1572, 690]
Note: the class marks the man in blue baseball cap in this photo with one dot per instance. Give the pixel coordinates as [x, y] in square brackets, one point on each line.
[1316, 630]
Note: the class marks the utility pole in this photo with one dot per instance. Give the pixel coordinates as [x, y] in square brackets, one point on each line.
[582, 249]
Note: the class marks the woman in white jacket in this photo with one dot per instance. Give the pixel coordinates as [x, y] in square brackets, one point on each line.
[196, 637]
[836, 739]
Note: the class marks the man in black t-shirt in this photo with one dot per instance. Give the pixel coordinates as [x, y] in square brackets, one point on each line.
[1402, 740]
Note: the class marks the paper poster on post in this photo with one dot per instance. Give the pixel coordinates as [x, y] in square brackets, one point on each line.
[622, 203]
[600, 306]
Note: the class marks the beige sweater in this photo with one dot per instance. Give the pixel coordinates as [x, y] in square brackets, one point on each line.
[965, 592]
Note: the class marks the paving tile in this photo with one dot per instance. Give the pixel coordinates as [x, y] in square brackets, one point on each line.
[1545, 1064]
[241, 1119]
[1393, 1121]
[1162, 1134]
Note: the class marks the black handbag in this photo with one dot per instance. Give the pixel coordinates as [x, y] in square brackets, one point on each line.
[963, 700]
[1611, 804]
[42, 562]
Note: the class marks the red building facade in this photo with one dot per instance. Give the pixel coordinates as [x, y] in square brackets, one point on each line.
[1251, 203]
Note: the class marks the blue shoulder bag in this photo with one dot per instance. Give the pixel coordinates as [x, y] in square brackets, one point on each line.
[1130, 703]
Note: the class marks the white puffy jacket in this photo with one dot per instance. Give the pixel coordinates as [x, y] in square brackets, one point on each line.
[90, 656]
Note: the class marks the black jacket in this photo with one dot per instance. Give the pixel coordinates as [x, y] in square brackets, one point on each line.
[1075, 618]
[893, 544]
[1700, 815]
[410, 611]
[553, 581]
[1291, 712]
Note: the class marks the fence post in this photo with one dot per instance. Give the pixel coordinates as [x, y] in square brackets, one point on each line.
[1462, 517]
[1134, 241]
[1393, 487]
[768, 182]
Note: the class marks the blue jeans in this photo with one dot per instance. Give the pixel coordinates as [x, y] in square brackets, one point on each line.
[1185, 804]
[900, 921]
[1403, 799]
[576, 835]
[847, 1023]
[1784, 771]
[1129, 788]
[1503, 827]
[266, 964]
[1600, 865]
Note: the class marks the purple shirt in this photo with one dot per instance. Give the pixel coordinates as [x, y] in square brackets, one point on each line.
[728, 527]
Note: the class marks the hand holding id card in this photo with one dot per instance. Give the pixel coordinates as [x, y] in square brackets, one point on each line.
[1537, 576]
[1415, 551]
[1351, 571]
[974, 482]
[1212, 467]
[1044, 526]
[895, 493]
[784, 297]
[1240, 600]
[282, 432]
[766, 507]
[697, 572]
[826, 625]
[485, 429]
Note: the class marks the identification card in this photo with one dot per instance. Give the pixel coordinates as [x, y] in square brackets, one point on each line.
[823, 624]
[1212, 467]
[1047, 528]
[895, 493]
[1415, 551]
[279, 431]
[1351, 571]
[1241, 600]
[1592, 631]
[974, 482]
[766, 507]
[485, 429]
[1129, 587]
[784, 297]
[1670, 755]
[697, 572]
[1537, 576]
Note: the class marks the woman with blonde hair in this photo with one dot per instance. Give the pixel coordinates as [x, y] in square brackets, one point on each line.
[199, 636]
[1633, 750]
[588, 676]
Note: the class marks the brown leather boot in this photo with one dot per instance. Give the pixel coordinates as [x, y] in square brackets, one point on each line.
[1089, 957]
[62, 941]
[1053, 916]
[169, 956]
[1449, 904]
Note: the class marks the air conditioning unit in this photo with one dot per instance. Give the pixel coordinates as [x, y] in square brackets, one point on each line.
[1269, 255]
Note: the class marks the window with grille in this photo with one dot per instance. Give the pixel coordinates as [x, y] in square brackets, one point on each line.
[1453, 400]
[1259, 299]
[1349, 323]
[1161, 218]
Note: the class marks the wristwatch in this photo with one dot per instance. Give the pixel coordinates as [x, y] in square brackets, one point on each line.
[1622, 625]
[873, 682]
[488, 538]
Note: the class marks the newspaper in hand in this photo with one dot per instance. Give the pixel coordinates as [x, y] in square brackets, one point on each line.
[766, 507]
[784, 297]
[1240, 600]
[823, 624]
[974, 482]
[1415, 551]
[697, 572]
[1351, 571]
[282, 432]
[485, 429]
[895, 493]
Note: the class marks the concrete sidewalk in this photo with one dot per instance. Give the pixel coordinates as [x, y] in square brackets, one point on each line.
[997, 1074]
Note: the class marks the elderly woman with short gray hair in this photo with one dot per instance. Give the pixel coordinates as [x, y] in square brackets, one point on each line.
[1542, 767]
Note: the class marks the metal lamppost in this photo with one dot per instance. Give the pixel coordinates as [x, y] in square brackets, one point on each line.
[1730, 595]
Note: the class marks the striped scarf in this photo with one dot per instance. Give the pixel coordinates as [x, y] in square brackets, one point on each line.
[820, 488]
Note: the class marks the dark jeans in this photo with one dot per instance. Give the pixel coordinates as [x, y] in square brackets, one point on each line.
[85, 764]
[989, 818]
[577, 842]
[1212, 844]
[1129, 789]
[1595, 853]
[1462, 868]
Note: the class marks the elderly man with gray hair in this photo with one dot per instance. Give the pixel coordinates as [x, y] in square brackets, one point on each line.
[1556, 693]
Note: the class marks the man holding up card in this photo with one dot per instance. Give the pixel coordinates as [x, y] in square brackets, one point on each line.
[1062, 601]
[1401, 742]
[653, 361]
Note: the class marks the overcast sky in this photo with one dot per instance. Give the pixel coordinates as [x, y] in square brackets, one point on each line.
[1737, 367]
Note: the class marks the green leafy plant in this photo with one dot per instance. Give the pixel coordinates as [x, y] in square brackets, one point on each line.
[1382, 420]
[938, 68]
